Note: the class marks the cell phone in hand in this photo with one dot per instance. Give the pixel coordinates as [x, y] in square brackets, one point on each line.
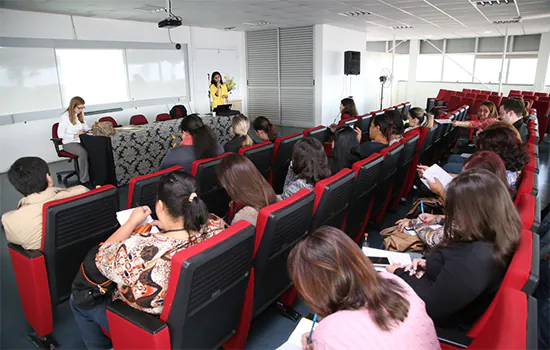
[379, 261]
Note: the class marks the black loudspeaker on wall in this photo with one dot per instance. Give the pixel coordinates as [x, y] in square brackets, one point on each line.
[352, 63]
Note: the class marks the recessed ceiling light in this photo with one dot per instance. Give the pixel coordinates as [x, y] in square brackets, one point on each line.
[429, 36]
[402, 27]
[494, 2]
[357, 13]
[507, 21]
[487, 32]
[150, 8]
[257, 24]
[229, 28]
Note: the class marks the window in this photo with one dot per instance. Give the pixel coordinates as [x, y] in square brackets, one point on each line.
[522, 71]
[488, 69]
[458, 68]
[429, 67]
[401, 68]
[99, 76]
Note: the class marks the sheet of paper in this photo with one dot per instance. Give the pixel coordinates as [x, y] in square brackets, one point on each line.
[393, 257]
[295, 339]
[435, 171]
[443, 121]
[466, 155]
[123, 216]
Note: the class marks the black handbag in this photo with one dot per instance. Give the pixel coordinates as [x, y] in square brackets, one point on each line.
[90, 288]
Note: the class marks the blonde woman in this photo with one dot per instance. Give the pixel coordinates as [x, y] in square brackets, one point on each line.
[239, 133]
[71, 126]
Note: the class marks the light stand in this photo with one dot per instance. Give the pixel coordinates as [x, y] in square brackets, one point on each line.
[383, 80]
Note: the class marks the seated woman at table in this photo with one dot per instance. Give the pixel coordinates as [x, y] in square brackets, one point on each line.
[239, 133]
[264, 129]
[359, 307]
[246, 187]
[140, 264]
[198, 142]
[71, 126]
[308, 166]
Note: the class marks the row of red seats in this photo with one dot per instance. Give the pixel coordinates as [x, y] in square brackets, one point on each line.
[138, 119]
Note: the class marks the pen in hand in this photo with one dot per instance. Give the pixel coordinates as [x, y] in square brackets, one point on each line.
[309, 340]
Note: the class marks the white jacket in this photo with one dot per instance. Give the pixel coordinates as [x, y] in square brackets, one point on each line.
[67, 131]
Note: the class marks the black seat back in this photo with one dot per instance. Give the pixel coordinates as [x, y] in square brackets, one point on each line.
[208, 186]
[260, 155]
[72, 226]
[409, 146]
[282, 154]
[320, 133]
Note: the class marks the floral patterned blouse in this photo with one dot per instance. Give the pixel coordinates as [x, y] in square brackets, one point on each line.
[140, 265]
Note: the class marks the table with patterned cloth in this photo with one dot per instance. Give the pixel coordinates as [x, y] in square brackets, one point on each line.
[139, 150]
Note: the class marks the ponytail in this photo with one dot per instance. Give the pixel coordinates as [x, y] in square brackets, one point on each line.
[247, 141]
[177, 190]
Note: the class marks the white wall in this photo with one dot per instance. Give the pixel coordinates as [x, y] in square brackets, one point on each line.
[37, 134]
[331, 85]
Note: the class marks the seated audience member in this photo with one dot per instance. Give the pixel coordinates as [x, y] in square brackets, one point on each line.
[419, 118]
[511, 111]
[348, 109]
[344, 141]
[503, 141]
[264, 129]
[380, 132]
[198, 142]
[31, 177]
[424, 227]
[239, 133]
[459, 278]
[359, 307]
[399, 127]
[487, 114]
[309, 165]
[246, 187]
[140, 264]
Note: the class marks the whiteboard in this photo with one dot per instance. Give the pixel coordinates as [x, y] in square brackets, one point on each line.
[205, 62]
[156, 73]
[28, 80]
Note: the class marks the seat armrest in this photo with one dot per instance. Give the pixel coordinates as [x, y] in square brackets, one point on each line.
[453, 338]
[29, 254]
[143, 320]
[56, 139]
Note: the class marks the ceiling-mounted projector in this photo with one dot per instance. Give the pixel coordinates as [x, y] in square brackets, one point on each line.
[170, 23]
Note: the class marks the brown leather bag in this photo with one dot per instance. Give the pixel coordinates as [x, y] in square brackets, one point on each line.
[398, 241]
[103, 129]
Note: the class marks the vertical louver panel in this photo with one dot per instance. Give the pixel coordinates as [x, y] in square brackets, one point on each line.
[296, 62]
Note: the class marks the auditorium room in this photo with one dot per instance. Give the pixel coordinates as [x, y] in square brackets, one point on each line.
[275, 174]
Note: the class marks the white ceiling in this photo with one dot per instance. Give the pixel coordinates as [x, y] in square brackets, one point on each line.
[428, 18]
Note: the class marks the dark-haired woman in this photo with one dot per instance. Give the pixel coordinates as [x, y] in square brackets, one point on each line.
[218, 90]
[198, 142]
[380, 133]
[344, 142]
[399, 126]
[459, 278]
[245, 186]
[359, 308]
[140, 264]
[264, 129]
[309, 165]
[348, 109]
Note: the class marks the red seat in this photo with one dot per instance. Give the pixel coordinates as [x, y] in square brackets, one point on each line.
[208, 186]
[260, 155]
[320, 132]
[469, 101]
[485, 93]
[495, 99]
[332, 198]
[528, 210]
[61, 153]
[532, 165]
[362, 199]
[384, 189]
[442, 94]
[138, 119]
[411, 174]
[142, 190]
[204, 300]
[541, 94]
[282, 154]
[528, 183]
[364, 124]
[512, 325]
[70, 228]
[496, 93]
[470, 95]
[348, 121]
[163, 117]
[454, 102]
[528, 93]
[514, 93]
[409, 143]
[467, 90]
[475, 91]
[110, 120]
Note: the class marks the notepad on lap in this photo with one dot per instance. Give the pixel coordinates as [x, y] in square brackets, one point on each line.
[295, 339]
[435, 171]
[393, 257]
[124, 215]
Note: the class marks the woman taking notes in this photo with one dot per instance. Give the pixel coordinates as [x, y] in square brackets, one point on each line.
[71, 126]
[218, 90]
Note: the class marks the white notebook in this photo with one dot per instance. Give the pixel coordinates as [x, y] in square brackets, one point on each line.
[123, 216]
[435, 171]
[294, 342]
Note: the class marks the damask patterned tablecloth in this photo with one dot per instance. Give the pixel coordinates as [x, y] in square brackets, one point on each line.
[140, 150]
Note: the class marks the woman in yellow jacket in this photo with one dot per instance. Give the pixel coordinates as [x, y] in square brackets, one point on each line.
[218, 90]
